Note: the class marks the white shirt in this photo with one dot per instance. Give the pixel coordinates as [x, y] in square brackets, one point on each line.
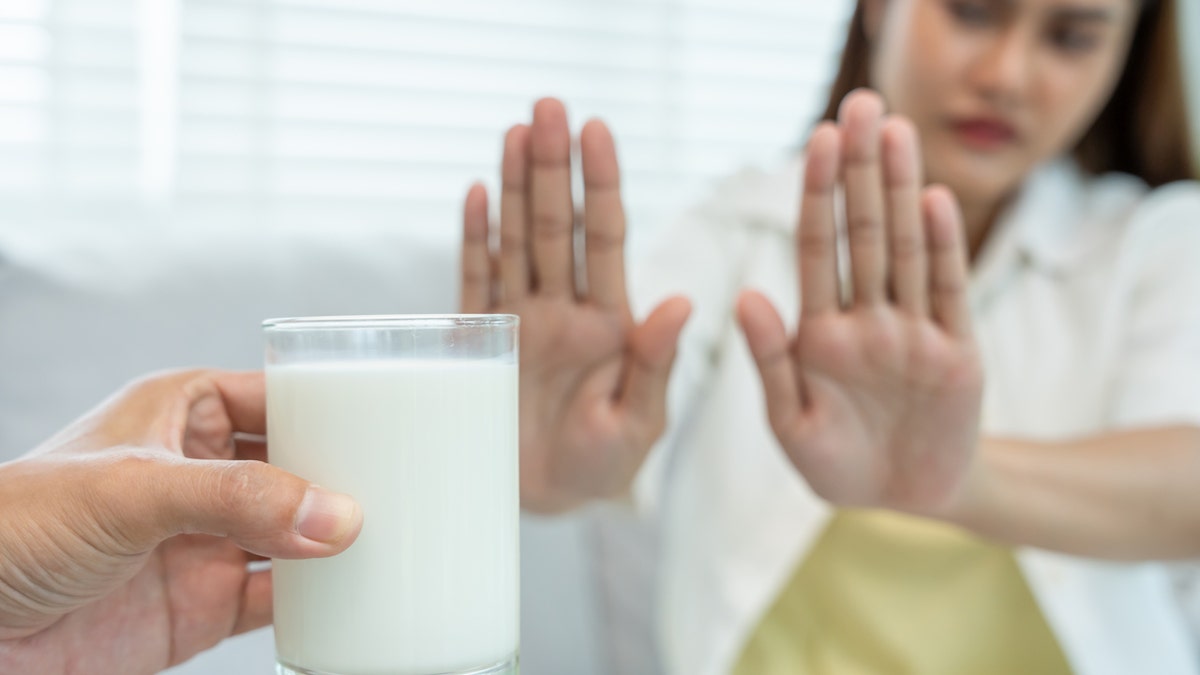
[1086, 303]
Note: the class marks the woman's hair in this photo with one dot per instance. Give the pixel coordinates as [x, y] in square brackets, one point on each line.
[1142, 131]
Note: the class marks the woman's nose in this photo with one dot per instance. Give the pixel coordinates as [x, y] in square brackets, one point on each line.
[1002, 71]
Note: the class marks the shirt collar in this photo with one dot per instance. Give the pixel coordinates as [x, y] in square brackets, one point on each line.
[1057, 219]
[1038, 230]
[1044, 219]
[1062, 215]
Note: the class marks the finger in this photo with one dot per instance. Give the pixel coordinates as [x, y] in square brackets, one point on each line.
[768, 341]
[860, 117]
[476, 292]
[195, 410]
[652, 352]
[256, 608]
[948, 261]
[244, 396]
[218, 405]
[514, 215]
[604, 218]
[817, 233]
[250, 446]
[906, 237]
[260, 507]
[553, 215]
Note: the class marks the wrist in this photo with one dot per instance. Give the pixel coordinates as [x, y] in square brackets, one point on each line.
[973, 498]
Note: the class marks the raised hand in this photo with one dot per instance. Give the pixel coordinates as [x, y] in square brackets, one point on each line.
[593, 381]
[876, 397]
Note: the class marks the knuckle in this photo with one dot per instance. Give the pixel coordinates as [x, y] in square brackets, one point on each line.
[862, 226]
[476, 277]
[160, 380]
[947, 288]
[548, 225]
[907, 247]
[236, 486]
[604, 239]
[475, 232]
[817, 245]
[512, 242]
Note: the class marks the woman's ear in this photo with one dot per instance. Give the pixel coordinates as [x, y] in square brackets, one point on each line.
[873, 12]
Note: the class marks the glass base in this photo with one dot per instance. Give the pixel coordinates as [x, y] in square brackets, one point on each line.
[511, 666]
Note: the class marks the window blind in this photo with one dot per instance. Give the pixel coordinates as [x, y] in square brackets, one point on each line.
[379, 113]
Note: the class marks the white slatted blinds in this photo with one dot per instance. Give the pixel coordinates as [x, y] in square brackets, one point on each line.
[378, 113]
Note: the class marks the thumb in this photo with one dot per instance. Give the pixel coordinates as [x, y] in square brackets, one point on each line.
[768, 342]
[261, 508]
[652, 347]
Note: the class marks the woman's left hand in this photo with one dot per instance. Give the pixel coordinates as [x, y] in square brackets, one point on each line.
[876, 399]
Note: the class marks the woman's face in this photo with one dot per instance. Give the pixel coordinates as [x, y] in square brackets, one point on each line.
[997, 86]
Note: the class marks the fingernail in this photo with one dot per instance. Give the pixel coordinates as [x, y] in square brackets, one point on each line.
[326, 516]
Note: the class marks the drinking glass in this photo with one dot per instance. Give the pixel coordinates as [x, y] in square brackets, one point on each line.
[416, 418]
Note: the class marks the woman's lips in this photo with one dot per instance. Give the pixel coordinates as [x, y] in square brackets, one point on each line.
[984, 133]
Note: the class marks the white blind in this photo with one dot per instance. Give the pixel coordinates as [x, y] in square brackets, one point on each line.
[68, 101]
[379, 113]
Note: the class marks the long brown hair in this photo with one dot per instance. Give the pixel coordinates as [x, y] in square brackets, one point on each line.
[1142, 131]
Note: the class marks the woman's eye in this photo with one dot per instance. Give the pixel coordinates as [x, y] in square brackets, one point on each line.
[1073, 39]
[971, 13]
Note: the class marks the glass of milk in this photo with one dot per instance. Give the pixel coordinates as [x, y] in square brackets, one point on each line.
[416, 417]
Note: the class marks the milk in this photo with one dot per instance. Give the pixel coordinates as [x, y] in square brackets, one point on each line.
[429, 449]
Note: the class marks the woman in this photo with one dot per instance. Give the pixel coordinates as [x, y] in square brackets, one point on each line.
[867, 528]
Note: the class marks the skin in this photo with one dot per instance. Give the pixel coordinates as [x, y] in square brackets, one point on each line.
[876, 401]
[1047, 67]
[126, 537]
[594, 402]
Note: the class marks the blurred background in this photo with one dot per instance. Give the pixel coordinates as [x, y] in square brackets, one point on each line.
[378, 113]
[174, 171]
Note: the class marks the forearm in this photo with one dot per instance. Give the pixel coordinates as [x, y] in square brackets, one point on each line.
[1122, 496]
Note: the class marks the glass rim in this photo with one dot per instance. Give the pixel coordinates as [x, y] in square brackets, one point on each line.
[390, 321]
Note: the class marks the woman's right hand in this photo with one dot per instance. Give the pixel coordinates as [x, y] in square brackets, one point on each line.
[593, 381]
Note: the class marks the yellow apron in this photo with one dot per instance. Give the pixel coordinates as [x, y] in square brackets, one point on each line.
[887, 594]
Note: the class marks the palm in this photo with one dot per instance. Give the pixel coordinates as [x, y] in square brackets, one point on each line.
[571, 431]
[209, 585]
[874, 400]
[883, 381]
[593, 382]
[185, 598]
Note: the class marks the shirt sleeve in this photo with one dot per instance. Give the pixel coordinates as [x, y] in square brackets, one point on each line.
[1158, 370]
[1158, 375]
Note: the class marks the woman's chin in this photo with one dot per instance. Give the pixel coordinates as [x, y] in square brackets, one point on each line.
[973, 177]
